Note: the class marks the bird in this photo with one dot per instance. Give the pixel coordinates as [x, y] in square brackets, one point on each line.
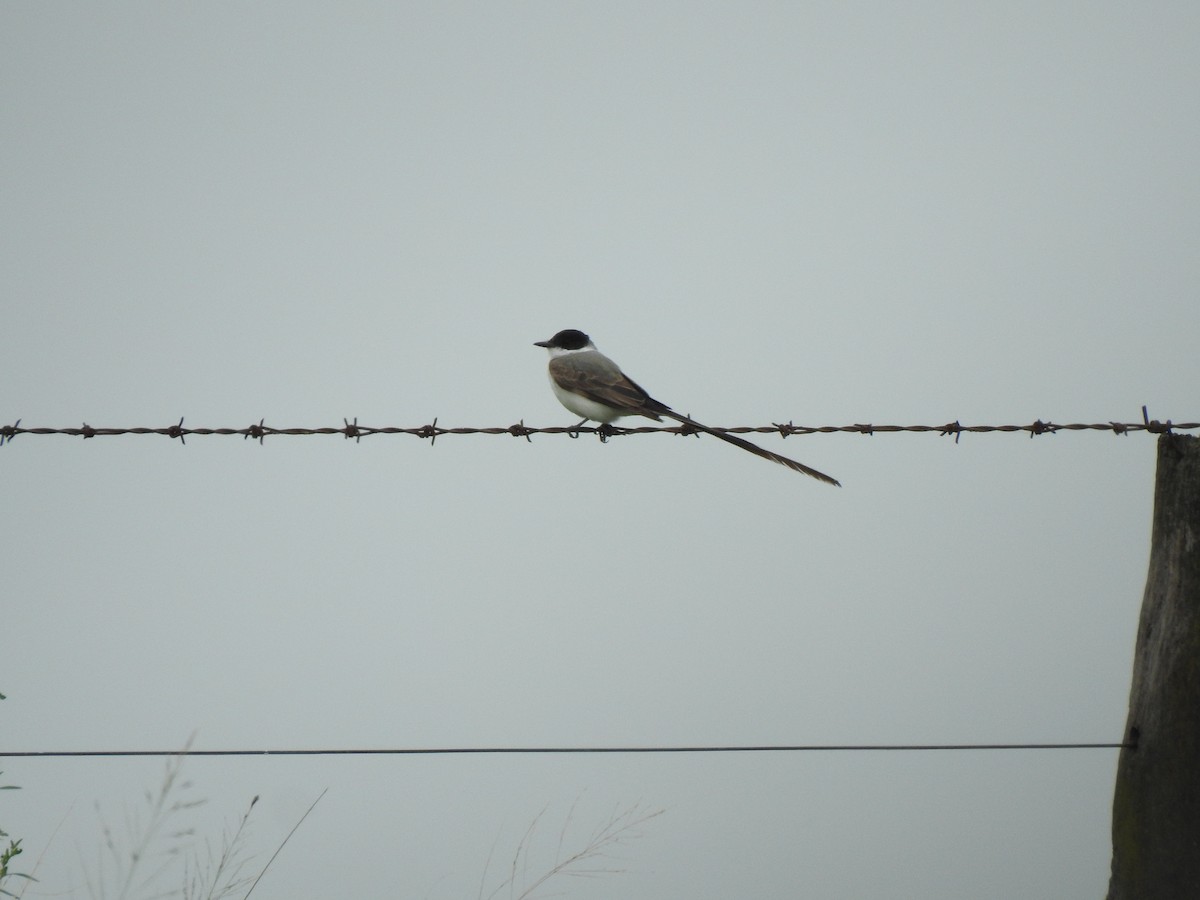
[591, 385]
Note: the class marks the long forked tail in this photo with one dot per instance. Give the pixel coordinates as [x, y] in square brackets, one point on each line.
[753, 448]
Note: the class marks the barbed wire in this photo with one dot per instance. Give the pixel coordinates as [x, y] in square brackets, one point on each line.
[444, 751]
[353, 430]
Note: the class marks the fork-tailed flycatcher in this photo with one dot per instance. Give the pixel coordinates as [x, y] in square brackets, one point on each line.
[591, 385]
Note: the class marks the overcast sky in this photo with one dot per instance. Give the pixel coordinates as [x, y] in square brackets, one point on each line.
[828, 213]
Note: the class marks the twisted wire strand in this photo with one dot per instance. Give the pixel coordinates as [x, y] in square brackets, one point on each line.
[443, 751]
[432, 431]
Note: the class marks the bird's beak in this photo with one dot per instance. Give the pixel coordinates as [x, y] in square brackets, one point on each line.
[541, 343]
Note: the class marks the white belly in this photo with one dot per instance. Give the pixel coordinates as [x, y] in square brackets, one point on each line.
[588, 409]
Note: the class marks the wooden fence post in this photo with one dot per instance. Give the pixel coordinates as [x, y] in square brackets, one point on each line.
[1156, 803]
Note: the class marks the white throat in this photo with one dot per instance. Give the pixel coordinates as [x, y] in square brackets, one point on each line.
[556, 352]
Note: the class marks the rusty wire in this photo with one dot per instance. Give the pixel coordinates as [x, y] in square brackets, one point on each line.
[432, 431]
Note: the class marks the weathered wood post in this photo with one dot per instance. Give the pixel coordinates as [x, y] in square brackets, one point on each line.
[1156, 804]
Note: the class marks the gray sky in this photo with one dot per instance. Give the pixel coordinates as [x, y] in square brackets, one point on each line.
[825, 213]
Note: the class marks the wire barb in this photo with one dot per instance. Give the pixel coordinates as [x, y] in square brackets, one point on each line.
[519, 430]
[8, 432]
[1156, 427]
[429, 431]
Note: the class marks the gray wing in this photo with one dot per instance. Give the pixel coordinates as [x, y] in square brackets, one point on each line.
[595, 376]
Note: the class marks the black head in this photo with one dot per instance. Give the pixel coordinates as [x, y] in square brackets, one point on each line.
[571, 339]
